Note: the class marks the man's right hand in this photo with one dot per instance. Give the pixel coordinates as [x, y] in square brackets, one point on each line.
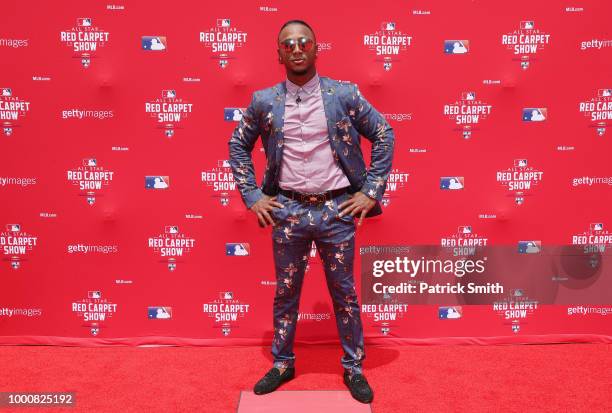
[263, 207]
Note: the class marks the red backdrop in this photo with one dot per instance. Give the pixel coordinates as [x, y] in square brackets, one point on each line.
[101, 100]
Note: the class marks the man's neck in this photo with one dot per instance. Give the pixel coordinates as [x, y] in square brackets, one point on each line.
[301, 80]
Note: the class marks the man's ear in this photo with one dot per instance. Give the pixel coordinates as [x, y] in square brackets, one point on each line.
[280, 59]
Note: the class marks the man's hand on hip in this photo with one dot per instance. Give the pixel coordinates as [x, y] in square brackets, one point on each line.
[358, 203]
[263, 207]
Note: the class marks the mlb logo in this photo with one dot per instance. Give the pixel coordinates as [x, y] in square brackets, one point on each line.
[449, 313]
[91, 199]
[456, 46]
[387, 65]
[224, 163]
[517, 292]
[171, 264]
[529, 247]
[451, 182]
[468, 95]
[157, 182]
[598, 226]
[226, 331]
[169, 94]
[519, 200]
[13, 227]
[223, 63]
[171, 229]
[467, 132]
[223, 22]
[604, 93]
[237, 249]
[94, 294]
[226, 295]
[84, 22]
[465, 229]
[153, 43]
[534, 114]
[388, 26]
[527, 25]
[159, 313]
[232, 114]
[384, 331]
[520, 162]
[516, 328]
[7, 91]
[94, 331]
[386, 200]
[15, 264]
[90, 162]
[225, 199]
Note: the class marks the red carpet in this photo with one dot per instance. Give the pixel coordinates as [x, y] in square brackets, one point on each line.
[543, 378]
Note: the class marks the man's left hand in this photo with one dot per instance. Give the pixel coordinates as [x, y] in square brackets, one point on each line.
[358, 203]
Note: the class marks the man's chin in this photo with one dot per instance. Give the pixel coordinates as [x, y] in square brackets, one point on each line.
[300, 72]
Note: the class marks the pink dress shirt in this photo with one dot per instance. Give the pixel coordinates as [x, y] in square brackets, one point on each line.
[308, 164]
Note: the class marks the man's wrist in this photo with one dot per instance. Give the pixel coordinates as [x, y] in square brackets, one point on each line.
[369, 192]
[250, 198]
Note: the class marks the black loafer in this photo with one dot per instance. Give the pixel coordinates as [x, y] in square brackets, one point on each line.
[359, 387]
[273, 379]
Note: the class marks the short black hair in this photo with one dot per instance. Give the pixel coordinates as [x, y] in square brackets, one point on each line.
[302, 22]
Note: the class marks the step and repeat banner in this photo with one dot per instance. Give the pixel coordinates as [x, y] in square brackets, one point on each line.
[120, 221]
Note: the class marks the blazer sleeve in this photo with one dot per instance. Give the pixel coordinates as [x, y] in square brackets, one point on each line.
[373, 126]
[241, 145]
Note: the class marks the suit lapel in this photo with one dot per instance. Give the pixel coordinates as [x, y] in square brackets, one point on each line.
[328, 93]
[278, 121]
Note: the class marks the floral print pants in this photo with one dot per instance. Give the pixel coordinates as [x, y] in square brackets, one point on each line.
[296, 226]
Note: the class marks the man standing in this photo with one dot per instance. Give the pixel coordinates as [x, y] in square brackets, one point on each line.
[314, 185]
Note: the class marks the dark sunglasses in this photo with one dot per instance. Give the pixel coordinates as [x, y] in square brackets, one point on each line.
[303, 43]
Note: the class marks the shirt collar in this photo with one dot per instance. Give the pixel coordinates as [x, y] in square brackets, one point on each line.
[309, 87]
